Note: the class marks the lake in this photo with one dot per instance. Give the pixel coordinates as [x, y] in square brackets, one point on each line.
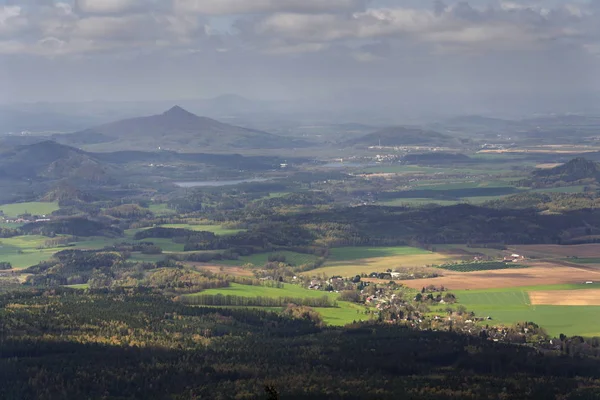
[218, 183]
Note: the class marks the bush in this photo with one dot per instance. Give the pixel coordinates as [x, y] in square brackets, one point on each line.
[5, 266]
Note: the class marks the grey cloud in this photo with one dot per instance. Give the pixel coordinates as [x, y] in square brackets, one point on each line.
[460, 24]
[109, 6]
[220, 7]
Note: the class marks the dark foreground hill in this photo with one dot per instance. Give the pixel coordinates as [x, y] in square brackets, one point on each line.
[176, 129]
[49, 160]
[131, 344]
[404, 136]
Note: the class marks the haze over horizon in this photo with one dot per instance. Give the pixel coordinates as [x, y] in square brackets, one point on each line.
[461, 56]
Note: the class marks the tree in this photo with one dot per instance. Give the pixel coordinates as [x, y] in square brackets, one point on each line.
[272, 393]
[5, 266]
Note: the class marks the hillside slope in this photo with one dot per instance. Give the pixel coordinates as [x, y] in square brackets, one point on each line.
[404, 136]
[49, 160]
[176, 129]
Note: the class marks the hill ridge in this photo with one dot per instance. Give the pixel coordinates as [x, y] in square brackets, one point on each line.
[179, 130]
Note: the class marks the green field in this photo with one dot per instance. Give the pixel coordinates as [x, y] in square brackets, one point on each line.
[167, 245]
[34, 208]
[24, 251]
[161, 209]
[344, 314]
[152, 258]
[358, 253]
[352, 261]
[261, 259]
[263, 291]
[510, 305]
[216, 229]
[80, 286]
[10, 225]
[413, 202]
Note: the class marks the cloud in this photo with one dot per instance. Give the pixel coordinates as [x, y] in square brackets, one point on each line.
[109, 6]
[221, 7]
[459, 25]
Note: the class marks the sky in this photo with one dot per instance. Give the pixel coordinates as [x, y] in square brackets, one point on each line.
[331, 50]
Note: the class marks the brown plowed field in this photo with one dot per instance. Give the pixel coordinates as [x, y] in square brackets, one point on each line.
[588, 297]
[222, 269]
[539, 273]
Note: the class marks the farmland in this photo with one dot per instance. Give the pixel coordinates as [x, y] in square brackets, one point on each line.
[261, 259]
[358, 253]
[510, 305]
[351, 261]
[34, 208]
[538, 273]
[341, 315]
[24, 251]
[558, 251]
[216, 229]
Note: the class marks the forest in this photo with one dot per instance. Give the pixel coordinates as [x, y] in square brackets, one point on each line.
[134, 343]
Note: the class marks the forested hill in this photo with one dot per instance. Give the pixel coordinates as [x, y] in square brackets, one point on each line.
[176, 129]
[575, 170]
[405, 136]
[49, 160]
[134, 344]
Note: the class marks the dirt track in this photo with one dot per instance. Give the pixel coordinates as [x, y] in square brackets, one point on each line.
[540, 273]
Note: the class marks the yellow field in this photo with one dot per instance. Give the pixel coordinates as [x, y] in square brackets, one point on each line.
[379, 264]
[588, 297]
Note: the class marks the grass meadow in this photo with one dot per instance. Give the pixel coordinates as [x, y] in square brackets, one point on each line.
[261, 259]
[25, 251]
[216, 229]
[344, 314]
[351, 261]
[510, 305]
[34, 208]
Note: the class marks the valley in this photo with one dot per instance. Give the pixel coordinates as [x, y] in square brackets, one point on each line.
[424, 232]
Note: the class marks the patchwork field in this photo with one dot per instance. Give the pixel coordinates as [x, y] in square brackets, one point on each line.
[34, 208]
[510, 305]
[351, 261]
[539, 273]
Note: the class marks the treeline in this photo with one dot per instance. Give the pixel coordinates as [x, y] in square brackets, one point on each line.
[75, 226]
[259, 301]
[463, 223]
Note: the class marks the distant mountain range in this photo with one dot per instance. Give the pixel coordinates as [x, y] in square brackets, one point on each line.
[176, 129]
[404, 136]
